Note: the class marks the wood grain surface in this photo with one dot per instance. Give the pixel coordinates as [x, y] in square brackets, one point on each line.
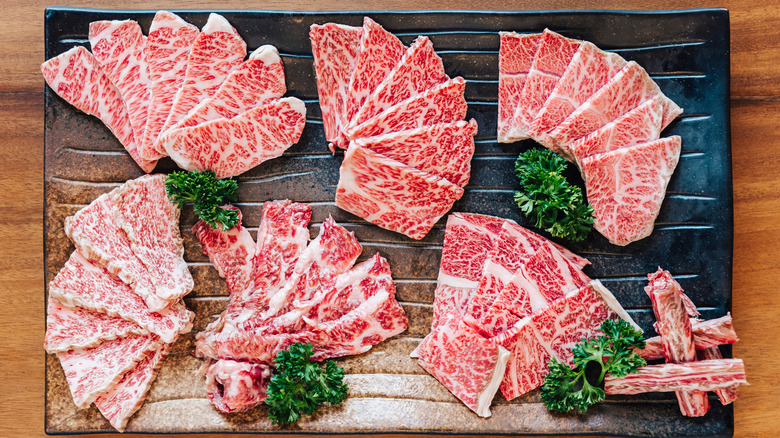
[755, 112]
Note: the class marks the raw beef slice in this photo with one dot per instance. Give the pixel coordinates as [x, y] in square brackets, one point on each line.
[515, 56]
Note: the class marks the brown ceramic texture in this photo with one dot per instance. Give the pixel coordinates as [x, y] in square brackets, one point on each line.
[388, 391]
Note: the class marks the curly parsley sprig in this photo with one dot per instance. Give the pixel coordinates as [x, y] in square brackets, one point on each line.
[300, 387]
[548, 199]
[565, 389]
[207, 194]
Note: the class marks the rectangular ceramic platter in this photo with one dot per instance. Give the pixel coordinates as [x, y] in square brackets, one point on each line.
[685, 51]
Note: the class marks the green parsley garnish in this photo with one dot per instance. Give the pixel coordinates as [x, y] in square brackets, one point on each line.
[207, 194]
[300, 386]
[565, 389]
[548, 199]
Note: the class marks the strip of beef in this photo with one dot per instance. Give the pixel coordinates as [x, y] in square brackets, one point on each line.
[725, 395]
[215, 52]
[97, 236]
[69, 327]
[167, 53]
[120, 402]
[554, 54]
[626, 187]
[676, 333]
[379, 53]
[706, 334]
[151, 222]
[76, 77]
[588, 71]
[120, 48]
[391, 194]
[698, 377]
[335, 48]
[234, 386]
[641, 124]
[91, 372]
[419, 69]
[468, 364]
[82, 283]
[515, 56]
[443, 103]
[256, 81]
[444, 149]
[232, 147]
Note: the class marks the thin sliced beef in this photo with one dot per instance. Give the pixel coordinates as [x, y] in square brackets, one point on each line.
[151, 222]
[234, 386]
[76, 77]
[626, 187]
[167, 52]
[468, 364]
[444, 149]
[69, 327]
[216, 51]
[82, 283]
[256, 81]
[527, 364]
[441, 104]
[379, 53]
[700, 376]
[419, 69]
[642, 124]
[93, 371]
[515, 56]
[120, 48]
[335, 48]
[232, 147]
[391, 194]
[554, 54]
[120, 402]
[588, 71]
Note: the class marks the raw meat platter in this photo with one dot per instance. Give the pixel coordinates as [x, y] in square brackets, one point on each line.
[686, 52]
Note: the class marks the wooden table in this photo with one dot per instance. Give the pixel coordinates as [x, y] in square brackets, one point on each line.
[755, 118]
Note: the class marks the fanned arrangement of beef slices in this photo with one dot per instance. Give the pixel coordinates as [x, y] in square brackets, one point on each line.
[694, 363]
[116, 306]
[601, 112]
[182, 92]
[400, 119]
[507, 300]
[285, 289]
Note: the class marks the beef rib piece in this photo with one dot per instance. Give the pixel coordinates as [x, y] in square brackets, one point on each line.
[82, 283]
[468, 364]
[588, 71]
[120, 402]
[706, 334]
[642, 124]
[76, 77]
[234, 386]
[700, 376]
[93, 371]
[676, 333]
[120, 48]
[379, 53]
[232, 147]
[419, 69]
[515, 56]
[625, 91]
[554, 54]
[335, 48]
[97, 236]
[68, 328]
[626, 187]
[215, 52]
[440, 104]
[443, 149]
[725, 395]
[167, 52]
[391, 194]
[151, 222]
[256, 81]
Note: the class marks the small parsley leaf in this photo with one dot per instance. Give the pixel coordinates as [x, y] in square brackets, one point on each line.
[207, 195]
